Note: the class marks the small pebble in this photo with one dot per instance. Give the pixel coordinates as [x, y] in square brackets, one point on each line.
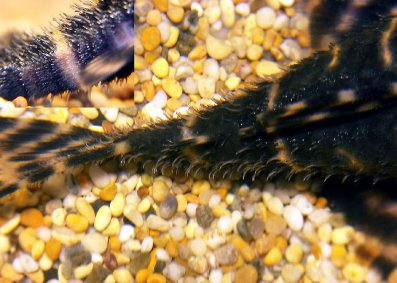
[25, 263]
[265, 17]
[275, 206]
[53, 248]
[147, 245]
[354, 272]
[292, 273]
[168, 207]
[122, 275]
[267, 68]
[99, 177]
[217, 48]
[342, 236]
[226, 254]
[10, 225]
[198, 264]
[246, 274]
[58, 216]
[198, 247]
[294, 253]
[150, 38]
[225, 224]
[172, 87]
[206, 87]
[157, 223]
[85, 209]
[95, 242]
[32, 217]
[227, 13]
[77, 223]
[273, 257]
[117, 205]
[293, 217]
[256, 227]
[126, 232]
[103, 217]
[160, 68]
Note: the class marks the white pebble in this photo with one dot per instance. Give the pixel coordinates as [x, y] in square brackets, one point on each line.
[174, 271]
[160, 99]
[96, 258]
[126, 232]
[69, 201]
[293, 217]
[198, 247]
[147, 244]
[265, 17]
[225, 224]
[162, 255]
[319, 216]
[216, 276]
[303, 204]
[44, 233]
[206, 87]
[211, 68]
[214, 200]
[228, 15]
[291, 49]
[95, 242]
[243, 9]
[164, 28]
[184, 71]
[99, 177]
[191, 209]
[177, 233]
[275, 205]
[281, 22]
[25, 263]
[110, 113]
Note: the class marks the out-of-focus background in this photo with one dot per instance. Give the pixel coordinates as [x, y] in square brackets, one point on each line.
[30, 15]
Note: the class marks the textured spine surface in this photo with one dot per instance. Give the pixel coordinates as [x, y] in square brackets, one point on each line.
[94, 46]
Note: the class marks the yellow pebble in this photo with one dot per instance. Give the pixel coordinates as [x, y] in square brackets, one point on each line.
[173, 55]
[338, 254]
[10, 225]
[160, 68]
[139, 63]
[200, 186]
[156, 278]
[172, 87]
[142, 276]
[32, 217]
[294, 253]
[123, 276]
[77, 223]
[58, 216]
[53, 248]
[173, 39]
[83, 271]
[254, 52]
[182, 203]
[198, 52]
[273, 257]
[175, 14]
[37, 276]
[8, 272]
[144, 205]
[27, 238]
[267, 68]
[113, 228]
[4, 244]
[153, 17]
[162, 5]
[85, 209]
[114, 243]
[109, 192]
[90, 113]
[354, 272]
[246, 274]
[232, 83]
[150, 38]
[38, 249]
[102, 218]
[117, 205]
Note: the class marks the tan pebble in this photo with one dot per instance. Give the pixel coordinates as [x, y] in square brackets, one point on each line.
[157, 223]
[156, 278]
[232, 83]
[95, 242]
[153, 18]
[8, 272]
[294, 253]
[32, 217]
[172, 87]
[58, 216]
[254, 52]
[354, 272]
[160, 68]
[103, 217]
[4, 244]
[117, 205]
[273, 257]
[38, 249]
[139, 97]
[175, 14]
[292, 273]
[83, 271]
[77, 223]
[123, 276]
[246, 274]
[160, 191]
[173, 38]
[217, 48]
[198, 52]
[53, 248]
[162, 5]
[10, 225]
[85, 209]
[113, 228]
[37, 276]
[109, 192]
[90, 113]
[27, 238]
[267, 68]
[150, 38]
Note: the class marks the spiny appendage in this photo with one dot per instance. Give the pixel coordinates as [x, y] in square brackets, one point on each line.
[94, 46]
